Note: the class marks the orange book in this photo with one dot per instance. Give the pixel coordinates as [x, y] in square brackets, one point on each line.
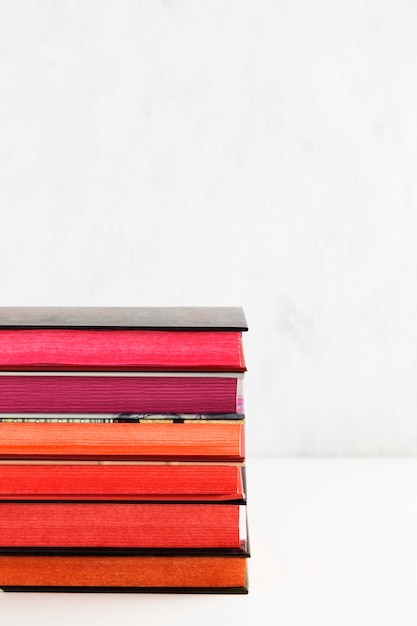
[195, 441]
[177, 573]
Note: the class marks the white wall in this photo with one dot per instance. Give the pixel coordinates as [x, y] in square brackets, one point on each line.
[253, 153]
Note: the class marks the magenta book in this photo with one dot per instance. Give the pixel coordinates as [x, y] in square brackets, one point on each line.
[128, 393]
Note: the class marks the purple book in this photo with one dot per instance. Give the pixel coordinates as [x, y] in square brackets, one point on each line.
[113, 393]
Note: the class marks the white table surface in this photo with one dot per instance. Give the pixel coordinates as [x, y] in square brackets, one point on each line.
[333, 542]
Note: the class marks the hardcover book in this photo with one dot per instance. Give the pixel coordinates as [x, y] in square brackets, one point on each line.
[153, 350]
[116, 392]
[121, 525]
[134, 482]
[125, 318]
[177, 573]
[195, 441]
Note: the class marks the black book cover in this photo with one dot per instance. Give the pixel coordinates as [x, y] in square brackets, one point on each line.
[132, 318]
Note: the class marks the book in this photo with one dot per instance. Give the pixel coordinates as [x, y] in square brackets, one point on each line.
[75, 338]
[110, 418]
[194, 441]
[135, 482]
[144, 350]
[113, 572]
[125, 318]
[121, 525]
[116, 392]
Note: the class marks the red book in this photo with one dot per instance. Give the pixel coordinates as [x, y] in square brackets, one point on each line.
[122, 338]
[193, 441]
[118, 482]
[120, 525]
[144, 350]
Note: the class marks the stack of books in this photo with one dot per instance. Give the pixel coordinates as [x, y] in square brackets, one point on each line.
[122, 459]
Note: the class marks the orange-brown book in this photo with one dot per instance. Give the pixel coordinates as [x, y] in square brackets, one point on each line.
[124, 573]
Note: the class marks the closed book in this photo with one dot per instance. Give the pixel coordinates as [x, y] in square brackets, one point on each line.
[144, 350]
[109, 418]
[135, 482]
[121, 318]
[119, 393]
[120, 525]
[195, 441]
[178, 573]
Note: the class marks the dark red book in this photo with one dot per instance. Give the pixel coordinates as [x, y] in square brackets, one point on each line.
[117, 393]
[118, 482]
